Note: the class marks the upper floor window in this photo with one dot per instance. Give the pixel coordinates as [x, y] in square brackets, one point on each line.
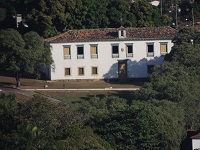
[150, 49]
[94, 51]
[94, 71]
[80, 52]
[67, 52]
[67, 71]
[163, 48]
[115, 51]
[129, 50]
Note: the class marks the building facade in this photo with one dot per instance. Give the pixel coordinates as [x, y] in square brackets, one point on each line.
[196, 142]
[109, 53]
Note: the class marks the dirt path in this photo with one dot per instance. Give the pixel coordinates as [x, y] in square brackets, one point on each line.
[28, 94]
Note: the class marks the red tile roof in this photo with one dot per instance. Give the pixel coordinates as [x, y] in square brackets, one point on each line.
[111, 34]
[197, 136]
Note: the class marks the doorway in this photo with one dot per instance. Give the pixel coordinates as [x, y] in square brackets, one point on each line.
[122, 69]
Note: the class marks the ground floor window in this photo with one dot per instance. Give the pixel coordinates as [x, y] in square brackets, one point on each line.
[94, 71]
[80, 71]
[67, 71]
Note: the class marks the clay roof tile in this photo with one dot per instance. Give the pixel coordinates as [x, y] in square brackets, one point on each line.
[111, 34]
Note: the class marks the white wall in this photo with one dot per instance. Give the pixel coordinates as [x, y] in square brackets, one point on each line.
[195, 144]
[107, 66]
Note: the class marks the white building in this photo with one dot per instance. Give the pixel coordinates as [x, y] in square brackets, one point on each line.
[109, 52]
[196, 142]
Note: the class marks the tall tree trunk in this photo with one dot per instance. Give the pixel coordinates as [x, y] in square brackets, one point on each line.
[17, 77]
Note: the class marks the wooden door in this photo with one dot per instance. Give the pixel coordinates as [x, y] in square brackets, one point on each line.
[122, 70]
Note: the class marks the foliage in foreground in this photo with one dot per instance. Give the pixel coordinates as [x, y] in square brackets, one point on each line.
[140, 125]
[40, 124]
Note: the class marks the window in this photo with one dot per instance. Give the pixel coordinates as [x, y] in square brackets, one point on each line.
[94, 52]
[94, 71]
[67, 71]
[150, 69]
[163, 48]
[150, 50]
[80, 52]
[67, 53]
[122, 33]
[129, 50]
[115, 51]
[81, 71]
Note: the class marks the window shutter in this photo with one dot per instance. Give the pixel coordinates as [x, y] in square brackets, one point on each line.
[163, 48]
[126, 49]
[66, 51]
[94, 49]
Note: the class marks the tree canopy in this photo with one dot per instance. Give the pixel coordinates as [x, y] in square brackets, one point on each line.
[40, 124]
[49, 18]
[23, 54]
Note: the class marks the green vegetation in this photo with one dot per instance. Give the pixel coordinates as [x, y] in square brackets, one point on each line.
[23, 54]
[39, 124]
[154, 117]
[48, 18]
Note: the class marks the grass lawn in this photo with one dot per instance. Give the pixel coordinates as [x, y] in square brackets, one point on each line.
[73, 96]
[77, 96]
[68, 84]
[19, 97]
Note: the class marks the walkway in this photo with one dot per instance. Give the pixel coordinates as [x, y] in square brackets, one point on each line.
[27, 93]
[94, 89]
[31, 92]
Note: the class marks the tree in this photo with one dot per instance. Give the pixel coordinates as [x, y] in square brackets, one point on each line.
[88, 14]
[119, 14]
[196, 6]
[48, 18]
[146, 14]
[141, 125]
[23, 54]
[9, 109]
[187, 35]
[40, 124]
[2, 14]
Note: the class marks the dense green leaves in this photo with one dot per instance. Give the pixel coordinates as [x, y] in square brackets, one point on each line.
[48, 17]
[141, 125]
[40, 124]
[23, 54]
[146, 14]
